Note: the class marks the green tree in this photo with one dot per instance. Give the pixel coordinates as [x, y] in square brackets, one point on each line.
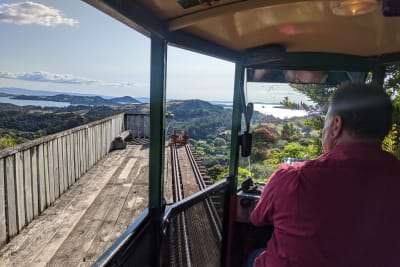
[392, 86]
[216, 171]
[318, 93]
[218, 141]
[6, 142]
[289, 131]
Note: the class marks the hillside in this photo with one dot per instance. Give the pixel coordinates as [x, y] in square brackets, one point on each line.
[125, 100]
[199, 118]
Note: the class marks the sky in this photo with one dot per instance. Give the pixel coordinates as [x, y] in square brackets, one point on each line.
[69, 46]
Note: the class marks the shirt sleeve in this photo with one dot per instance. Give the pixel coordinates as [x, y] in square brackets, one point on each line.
[262, 214]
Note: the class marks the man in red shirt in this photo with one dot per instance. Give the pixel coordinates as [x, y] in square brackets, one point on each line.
[343, 208]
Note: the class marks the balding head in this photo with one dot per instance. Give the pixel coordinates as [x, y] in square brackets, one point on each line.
[363, 111]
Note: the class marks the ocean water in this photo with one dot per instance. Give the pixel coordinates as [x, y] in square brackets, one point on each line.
[20, 102]
[278, 111]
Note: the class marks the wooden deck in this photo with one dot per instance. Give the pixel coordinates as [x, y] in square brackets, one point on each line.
[89, 217]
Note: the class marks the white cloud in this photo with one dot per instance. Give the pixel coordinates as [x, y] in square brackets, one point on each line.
[43, 76]
[28, 12]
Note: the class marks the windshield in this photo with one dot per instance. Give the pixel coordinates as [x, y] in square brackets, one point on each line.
[286, 125]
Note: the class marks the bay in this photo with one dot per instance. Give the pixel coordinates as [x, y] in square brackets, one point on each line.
[276, 110]
[41, 103]
[279, 111]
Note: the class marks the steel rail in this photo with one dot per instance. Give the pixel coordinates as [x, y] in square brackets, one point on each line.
[178, 196]
[210, 206]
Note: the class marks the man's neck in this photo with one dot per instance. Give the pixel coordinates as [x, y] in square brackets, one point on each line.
[347, 139]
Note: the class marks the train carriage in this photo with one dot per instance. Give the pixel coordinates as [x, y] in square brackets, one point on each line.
[274, 41]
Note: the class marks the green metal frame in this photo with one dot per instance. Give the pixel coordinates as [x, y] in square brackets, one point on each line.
[236, 125]
[378, 75]
[157, 121]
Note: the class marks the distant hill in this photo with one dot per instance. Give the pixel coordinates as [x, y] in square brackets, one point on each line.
[8, 106]
[199, 118]
[29, 92]
[125, 100]
[4, 95]
[23, 91]
[81, 100]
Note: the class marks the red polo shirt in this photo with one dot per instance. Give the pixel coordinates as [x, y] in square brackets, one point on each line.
[342, 209]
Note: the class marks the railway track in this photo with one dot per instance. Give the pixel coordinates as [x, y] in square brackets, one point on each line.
[191, 224]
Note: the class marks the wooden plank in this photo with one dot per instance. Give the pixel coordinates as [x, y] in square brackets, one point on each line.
[69, 242]
[51, 171]
[64, 165]
[46, 173]
[73, 163]
[103, 140]
[105, 209]
[84, 141]
[80, 156]
[70, 160]
[107, 131]
[72, 145]
[108, 136]
[90, 151]
[69, 163]
[35, 190]
[55, 169]
[76, 155]
[28, 185]
[96, 144]
[66, 162]
[60, 164]
[87, 142]
[112, 129]
[99, 142]
[125, 211]
[41, 179]
[19, 186]
[11, 197]
[83, 146]
[3, 225]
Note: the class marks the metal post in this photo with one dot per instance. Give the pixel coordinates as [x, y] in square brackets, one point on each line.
[236, 124]
[156, 163]
[157, 114]
[378, 75]
[234, 162]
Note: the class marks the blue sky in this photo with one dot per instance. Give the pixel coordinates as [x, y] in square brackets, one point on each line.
[69, 46]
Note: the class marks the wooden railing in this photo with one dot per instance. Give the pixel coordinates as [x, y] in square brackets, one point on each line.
[138, 125]
[34, 174]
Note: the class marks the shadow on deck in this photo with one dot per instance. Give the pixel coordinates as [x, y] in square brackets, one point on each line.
[87, 218]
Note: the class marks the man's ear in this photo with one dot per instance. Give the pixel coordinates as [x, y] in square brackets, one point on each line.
[337, 126]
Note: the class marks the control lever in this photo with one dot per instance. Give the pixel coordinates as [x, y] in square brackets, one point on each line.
[249, 187]
[247, 184]
[247, 138]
